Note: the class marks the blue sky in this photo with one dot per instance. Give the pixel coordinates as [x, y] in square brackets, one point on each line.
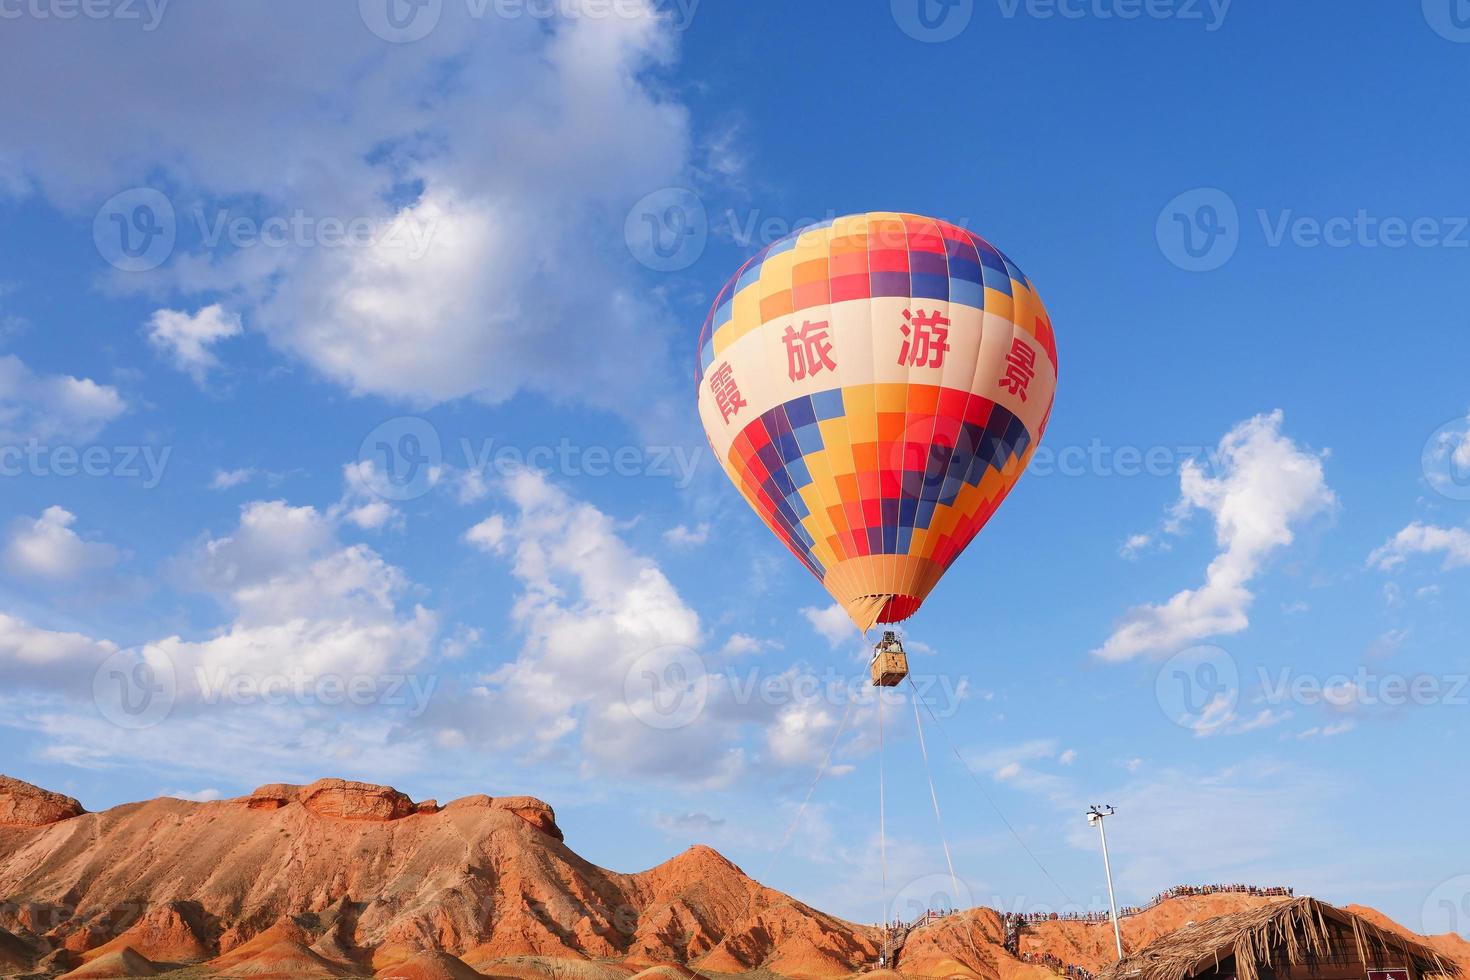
[371, 449]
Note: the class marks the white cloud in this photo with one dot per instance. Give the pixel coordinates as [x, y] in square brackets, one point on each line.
[186, 340]
[489, 535]
[229, 479]
[1068, 757]
[45, 407]
[1328, 731]
[302, 602]
[24, 647]
[1424, 539]
[371, 516]
[739, 644]
[611, 652]
[495, 263]
[832, 622]
[1267, 485]
[682, 536]
[46, 547]
[194, 795]
[1135, 544]
[802, 733]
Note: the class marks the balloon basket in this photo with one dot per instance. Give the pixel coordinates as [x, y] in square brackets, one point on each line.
[890, 664]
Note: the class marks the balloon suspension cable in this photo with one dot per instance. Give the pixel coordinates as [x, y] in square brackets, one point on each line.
[989, 800]
[882, 822]
[821, 771]
[954, 881]
[791, 829]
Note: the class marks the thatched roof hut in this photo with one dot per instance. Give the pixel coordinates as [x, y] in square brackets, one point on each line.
[1302, 939]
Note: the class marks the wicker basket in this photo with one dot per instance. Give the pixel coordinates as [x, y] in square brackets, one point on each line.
[890, 664]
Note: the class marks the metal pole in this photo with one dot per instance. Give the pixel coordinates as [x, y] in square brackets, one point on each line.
[1108, 866]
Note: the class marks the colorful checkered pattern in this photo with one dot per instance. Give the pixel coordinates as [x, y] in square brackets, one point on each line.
[874, 467]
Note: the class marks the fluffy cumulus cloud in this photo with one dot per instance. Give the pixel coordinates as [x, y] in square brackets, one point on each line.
[324, 652]
[358, 204]
[187, 339]
[26, 650]
[1451, 544]
[1266, 487]
[832, 623]
[614, 670]
[46, 547]
[303, 603]
[35, 405]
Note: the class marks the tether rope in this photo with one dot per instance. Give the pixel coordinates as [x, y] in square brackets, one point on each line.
[821, 771]
[1002, 817]
[954, 881]
[882, 823]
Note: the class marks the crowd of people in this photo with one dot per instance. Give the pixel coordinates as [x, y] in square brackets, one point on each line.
[897, 931]
[1071, 970]
[1181, 891]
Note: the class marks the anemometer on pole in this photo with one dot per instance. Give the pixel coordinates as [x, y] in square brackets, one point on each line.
[1095, 817]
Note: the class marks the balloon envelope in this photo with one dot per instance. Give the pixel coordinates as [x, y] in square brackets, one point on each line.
[874, 386]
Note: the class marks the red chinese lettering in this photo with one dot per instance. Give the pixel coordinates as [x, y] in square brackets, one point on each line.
[925, 339]
[1020, 368]
[727, 393]
[808, 350]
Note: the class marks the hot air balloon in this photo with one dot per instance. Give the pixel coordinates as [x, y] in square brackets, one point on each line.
[874, 386]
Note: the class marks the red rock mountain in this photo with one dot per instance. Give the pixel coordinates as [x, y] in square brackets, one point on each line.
[340, 879]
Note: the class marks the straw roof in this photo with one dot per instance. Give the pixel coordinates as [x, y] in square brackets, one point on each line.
[1281, 934]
